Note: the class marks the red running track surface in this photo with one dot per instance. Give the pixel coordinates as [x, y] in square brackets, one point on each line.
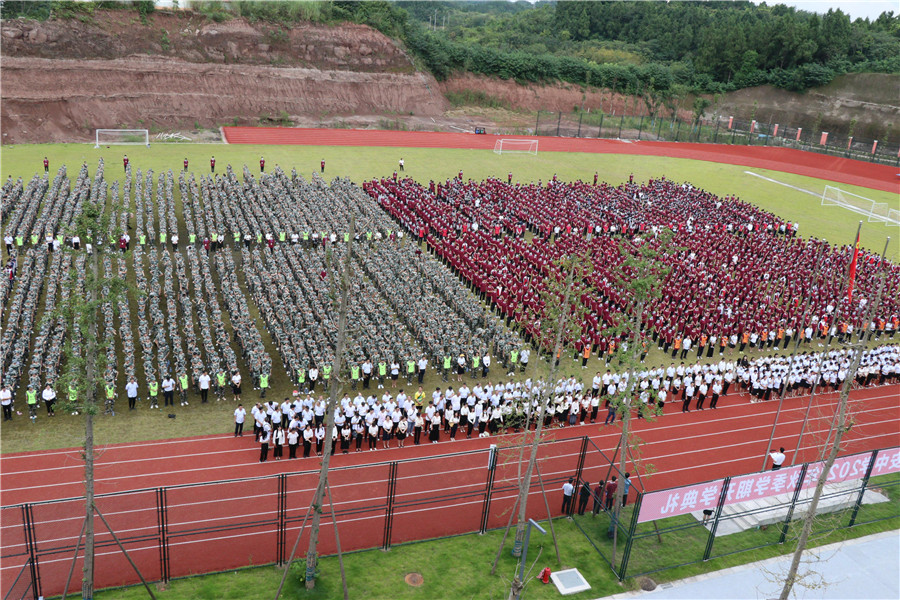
[435, 496]
[820, 166]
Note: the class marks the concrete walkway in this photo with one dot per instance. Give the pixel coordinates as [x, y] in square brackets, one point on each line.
[864, 569]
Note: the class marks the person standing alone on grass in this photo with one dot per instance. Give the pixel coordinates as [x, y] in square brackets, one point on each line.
[777, 459]
[568, 490]
[322, 165]
[46, 165]
[401, 164]
[212, 164]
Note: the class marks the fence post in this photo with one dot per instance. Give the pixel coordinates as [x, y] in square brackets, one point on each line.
[621, 122]
[489, 487]
[537, 122]
[600, 130]
[712, 530]
[580, 466]
[766, 143]
[659, 129]
[677, 131]
[31, 544]
[580, 117]
[389, 510]
[281, 537]
[733, 131]
[627, 552]
[862, 492]
[640, 127]
[162, 523]
[716, 135]
[558, 121]
[790, 513]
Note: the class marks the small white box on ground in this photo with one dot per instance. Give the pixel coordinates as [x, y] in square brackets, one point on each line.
[569, 581]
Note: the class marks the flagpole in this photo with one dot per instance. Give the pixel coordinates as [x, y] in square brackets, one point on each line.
[861, 342]
[818, 373]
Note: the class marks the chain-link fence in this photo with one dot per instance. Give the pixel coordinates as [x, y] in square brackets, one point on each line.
[723, 130]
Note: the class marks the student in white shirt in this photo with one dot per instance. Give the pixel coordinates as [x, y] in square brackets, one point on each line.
[203, 383]
[239, 416]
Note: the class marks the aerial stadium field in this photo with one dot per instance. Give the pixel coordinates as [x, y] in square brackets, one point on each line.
[59, 478]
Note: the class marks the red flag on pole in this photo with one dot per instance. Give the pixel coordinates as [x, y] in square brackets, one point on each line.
[853, 269]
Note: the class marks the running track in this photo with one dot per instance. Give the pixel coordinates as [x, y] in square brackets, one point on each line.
[820, 166]
[435, 496]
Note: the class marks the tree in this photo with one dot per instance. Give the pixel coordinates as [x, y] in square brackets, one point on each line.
[641, 272]
[562, 321]
[841, 424]
[85, 355]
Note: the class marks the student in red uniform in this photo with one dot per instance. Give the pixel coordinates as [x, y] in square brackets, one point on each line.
[125, 162]
[212, 164]
[46, 165]
[262, 164]
[322, 165]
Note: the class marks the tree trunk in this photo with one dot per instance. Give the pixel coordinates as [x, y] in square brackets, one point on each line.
[840, 427]
[525, 482]
[87, 584]
[626, 424]
[311, 554]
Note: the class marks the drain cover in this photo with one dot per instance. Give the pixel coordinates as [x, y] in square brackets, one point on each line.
[414, 579]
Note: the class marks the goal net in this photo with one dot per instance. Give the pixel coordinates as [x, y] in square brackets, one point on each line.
[872, 210]
[120, 137]
[504, 146]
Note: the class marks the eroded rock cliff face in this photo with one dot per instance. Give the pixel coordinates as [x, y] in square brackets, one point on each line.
[63, 79]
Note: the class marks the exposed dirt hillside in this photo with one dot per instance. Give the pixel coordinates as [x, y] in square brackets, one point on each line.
[62, 79]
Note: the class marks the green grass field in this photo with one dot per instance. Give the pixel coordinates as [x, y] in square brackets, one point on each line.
[831, 222]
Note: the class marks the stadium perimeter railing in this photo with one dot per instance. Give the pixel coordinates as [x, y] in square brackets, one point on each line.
[723, 130]
[665, 529]
[178, 531]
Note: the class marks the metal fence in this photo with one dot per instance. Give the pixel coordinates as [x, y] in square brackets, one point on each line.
[735, 522]
[179, 531]
[722, 130]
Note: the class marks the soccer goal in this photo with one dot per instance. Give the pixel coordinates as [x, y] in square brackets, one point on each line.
[122, 137]
[504, 146]
[872, 210]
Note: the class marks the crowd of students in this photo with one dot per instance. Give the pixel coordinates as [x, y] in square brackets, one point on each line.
[735, 271]
[372, 420]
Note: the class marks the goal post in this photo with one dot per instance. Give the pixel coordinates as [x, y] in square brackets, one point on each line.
[866, 207]
[121, 137]
[516, 146]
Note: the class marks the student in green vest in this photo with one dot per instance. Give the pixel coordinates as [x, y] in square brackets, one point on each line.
[410, 370]
[346, 237]
[354, 376]
[445, 372]
[369, 237]
[237, 239]
[142, 239]
[31, 399]
[282, 236]
[259, 239]
[192, 238]
[513, 359]
[301, 379]
[326, 376]
[110, 398]
[73, 398]
[183, 384]
[20, 240]
[263, 384]
[476, 365]
[162, 237]
[221, 382]
[382, 373]
[34, 239]
[154, 394]
[305, 239]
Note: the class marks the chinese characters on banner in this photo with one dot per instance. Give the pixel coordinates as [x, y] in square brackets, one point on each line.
[692, 498]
